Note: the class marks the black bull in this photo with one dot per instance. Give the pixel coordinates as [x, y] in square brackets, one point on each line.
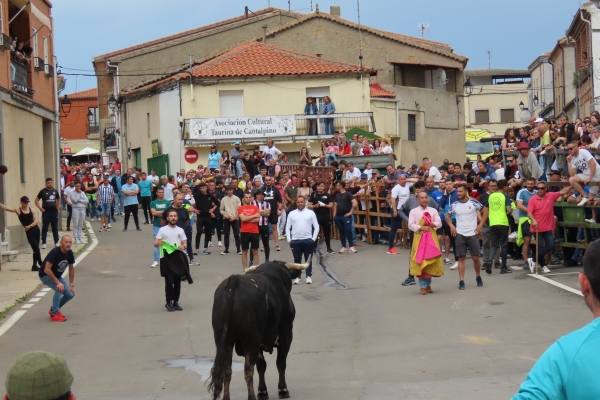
[253, 312]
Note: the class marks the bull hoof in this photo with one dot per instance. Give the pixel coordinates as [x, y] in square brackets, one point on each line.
[284, 394]
[262, 395]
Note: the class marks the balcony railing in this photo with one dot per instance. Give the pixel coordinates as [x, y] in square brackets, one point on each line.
[19, 75]
[306, 126]
[110, 140]
[93, 131]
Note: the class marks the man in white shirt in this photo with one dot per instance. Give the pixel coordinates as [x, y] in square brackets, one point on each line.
[583, 169]
[271, 152]
[400, 193]
[432, 170]
[302, 231]
[171, 237]
[466, 232]
[351, 173]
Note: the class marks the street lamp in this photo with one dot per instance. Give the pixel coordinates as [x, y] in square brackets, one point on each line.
[65, 105]
[522, 106]
[536, 100]
[468, 86]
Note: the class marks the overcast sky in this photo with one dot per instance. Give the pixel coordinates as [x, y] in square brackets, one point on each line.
[515, 31]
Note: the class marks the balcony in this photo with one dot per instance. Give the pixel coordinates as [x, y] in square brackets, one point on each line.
[20, 76]
[109, 141]
[93, 132]
[290, 127]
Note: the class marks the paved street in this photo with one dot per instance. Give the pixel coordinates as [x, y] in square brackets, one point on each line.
[373, 340]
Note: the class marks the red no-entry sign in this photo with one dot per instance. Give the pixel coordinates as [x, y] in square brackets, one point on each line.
[191, 156]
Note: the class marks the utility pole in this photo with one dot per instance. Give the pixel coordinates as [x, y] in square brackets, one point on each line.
[423, 28]
[489, 54]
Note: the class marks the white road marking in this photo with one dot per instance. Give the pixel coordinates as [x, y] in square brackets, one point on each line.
[17, 315]
[557, 284]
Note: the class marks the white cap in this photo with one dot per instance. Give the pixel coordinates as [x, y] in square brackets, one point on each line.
[539, 120]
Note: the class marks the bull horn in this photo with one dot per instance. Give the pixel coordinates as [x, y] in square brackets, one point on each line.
[252, 268]
[296, 266]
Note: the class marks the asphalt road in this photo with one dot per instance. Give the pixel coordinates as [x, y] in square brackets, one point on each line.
[373, 339]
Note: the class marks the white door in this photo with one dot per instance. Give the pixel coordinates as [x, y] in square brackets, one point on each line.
[231, 103]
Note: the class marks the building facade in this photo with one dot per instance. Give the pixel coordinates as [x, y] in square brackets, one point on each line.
[80, 127]
[496, 99]
[541, 87]
[425, 76]
[28, 137]
[249, 88]
[562, 59]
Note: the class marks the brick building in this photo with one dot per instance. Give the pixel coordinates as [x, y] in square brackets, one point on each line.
[81, 126]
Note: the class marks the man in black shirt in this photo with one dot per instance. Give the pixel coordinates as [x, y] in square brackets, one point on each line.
[320, 202]
[49, 208]
[342, 209]
[273, 196]
[56, 262]
[217, 221]
[205, 206]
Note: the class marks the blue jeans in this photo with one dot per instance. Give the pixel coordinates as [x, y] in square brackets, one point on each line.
[59, 299]
[328, 122]
[344, 225]
[424, 283]
[155, 250]
[303, 247]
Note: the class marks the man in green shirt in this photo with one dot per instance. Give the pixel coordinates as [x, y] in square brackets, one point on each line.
[157, 208]
[496, 210]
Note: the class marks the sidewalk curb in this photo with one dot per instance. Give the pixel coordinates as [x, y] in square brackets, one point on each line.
[30, 299]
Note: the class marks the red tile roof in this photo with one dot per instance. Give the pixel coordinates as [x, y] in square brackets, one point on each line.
[84, 94]
[439, 48]
[165, 41]
[257, 59]
[379, 91]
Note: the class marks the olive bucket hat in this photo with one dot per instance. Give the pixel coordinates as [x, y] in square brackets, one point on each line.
[38, 375]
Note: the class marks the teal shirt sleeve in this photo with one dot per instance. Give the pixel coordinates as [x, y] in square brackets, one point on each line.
[545, 381]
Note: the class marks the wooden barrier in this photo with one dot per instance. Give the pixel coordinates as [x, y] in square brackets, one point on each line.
[319, 174]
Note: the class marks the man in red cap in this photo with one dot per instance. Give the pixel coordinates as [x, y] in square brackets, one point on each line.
[529, 167]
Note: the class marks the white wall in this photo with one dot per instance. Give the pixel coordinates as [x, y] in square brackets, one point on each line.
[169, 129]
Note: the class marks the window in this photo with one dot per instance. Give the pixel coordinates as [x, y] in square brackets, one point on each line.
[482, 116]
[1, 19]
[148, 124]
[412, 127]
[318, 93]
[93, 117]
[34, 43]
[22, 159]
[507, 115]
[436, 78]
[231, 103]
[46, 55]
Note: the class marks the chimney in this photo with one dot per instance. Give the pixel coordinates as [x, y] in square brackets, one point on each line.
[335, 11]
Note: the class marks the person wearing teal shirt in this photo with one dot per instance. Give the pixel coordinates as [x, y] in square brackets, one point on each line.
[568, 369]
[145, 185]
[130, 192]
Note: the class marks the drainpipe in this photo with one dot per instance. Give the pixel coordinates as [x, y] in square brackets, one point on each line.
[591, 54]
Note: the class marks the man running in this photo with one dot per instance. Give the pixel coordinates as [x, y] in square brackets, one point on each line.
[302, 231]
[249, 216]
[465, 232]
[49, 208]
[56, 262]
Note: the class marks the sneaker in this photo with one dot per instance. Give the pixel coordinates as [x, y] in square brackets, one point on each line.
[342, 250]
[277, 248]
[169, 307]
[392, 251]
[479, 281]
[177, 307]
[409, 281]
[531, 265]
[43, 245]
[109, 226]
[590, 220]
[505, 271]
[446, 260]
[545, 270]
[583, 202]
[35, 268]
[308, 280]
[488, 268]
[58, 317]
[330, 251]
[220, 244]
[353, 250]
[138, 229]
[461, 285]
[239, 252]
[224, 252]
[296, 281]
[210, 244]
[512, 236]
[454, 266]
[205, 252]
[154, 264]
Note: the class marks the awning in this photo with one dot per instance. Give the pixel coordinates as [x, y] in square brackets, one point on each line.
[86, 151]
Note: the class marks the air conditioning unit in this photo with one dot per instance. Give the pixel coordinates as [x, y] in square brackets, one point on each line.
[38, 64]
[4, 41]
[49, 69]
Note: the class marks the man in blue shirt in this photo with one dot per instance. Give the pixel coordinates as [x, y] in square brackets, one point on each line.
[568, 369]
[524, 232]
[145, 185]
[130, 192]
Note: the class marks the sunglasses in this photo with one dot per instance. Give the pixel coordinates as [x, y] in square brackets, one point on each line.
[541, 188]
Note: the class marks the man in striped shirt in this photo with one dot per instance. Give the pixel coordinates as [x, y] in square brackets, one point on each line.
[105, 197]
[264, 208]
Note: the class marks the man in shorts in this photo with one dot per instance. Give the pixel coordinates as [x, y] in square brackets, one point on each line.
[249, 231]
[523, 197]
[466, 232]
[583, 169]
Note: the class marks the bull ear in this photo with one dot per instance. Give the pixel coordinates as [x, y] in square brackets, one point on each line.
[296, 266]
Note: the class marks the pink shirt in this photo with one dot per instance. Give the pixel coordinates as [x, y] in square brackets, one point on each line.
[415, 215]
[542, 209]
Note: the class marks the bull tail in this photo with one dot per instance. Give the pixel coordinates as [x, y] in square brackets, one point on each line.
[222, 314]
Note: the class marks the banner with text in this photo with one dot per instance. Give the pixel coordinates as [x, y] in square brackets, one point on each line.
[241, 127]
